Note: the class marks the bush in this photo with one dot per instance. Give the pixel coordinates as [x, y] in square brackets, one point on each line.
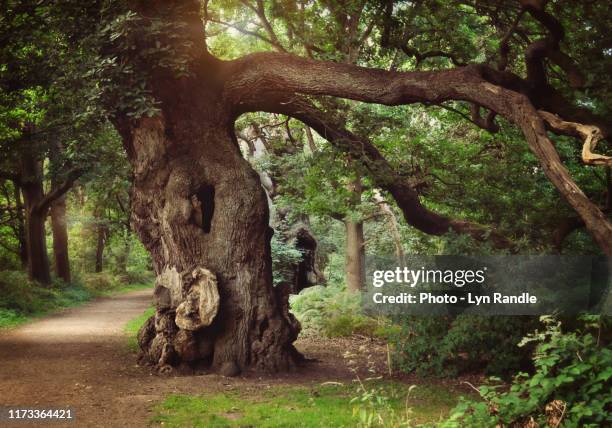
[308, 307]
[285, 258]
[448, 346]
[11, 318]
[342, 325]
[101, 281]
[571, 384]
[137, 277]
[332, 313]
[20, 294]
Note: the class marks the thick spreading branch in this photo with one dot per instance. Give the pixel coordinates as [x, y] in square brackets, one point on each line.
[365, 152]
[255, 78]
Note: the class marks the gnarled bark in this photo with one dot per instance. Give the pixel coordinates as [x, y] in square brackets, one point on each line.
[199, 208]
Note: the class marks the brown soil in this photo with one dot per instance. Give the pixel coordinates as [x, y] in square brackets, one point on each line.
[79, 358]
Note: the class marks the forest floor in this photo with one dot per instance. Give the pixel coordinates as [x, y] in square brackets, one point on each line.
[80, 358]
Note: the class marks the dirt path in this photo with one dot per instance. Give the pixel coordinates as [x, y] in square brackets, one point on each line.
[79, 358]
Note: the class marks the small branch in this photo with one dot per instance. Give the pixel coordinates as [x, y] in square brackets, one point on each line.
[590, 134]
[261, 14]
[242, 30]
[504, 45]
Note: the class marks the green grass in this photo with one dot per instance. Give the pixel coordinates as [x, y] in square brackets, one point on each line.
[300, 406]
[133, 325]
[125, 289]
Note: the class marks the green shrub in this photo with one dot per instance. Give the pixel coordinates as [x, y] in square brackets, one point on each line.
[448, 346]
[570, 387]
[11, 318]
[101, 281]
[137, 277]
[285, 258]
[18, 293]
[332, 313]
[342, 325]
[309, 306]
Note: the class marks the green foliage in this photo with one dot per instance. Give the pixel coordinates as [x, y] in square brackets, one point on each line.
[308, 307]
[570, 387]
[345, 324]
[11, 318]
[18, 293]
[136, 276]
[101, 281]
[284, 259]
[447, 346]
[333, 313]
[373, 405]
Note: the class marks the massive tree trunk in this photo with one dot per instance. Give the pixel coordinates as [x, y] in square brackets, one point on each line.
[60, 238]
[33, 193]
[199, 207]
[200, 210]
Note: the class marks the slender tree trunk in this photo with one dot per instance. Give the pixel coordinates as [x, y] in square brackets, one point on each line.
[59, 228]
[355, 244]
[310, 139]
[354, 259]
[122, 260]
[100, 243]
[33, 193]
